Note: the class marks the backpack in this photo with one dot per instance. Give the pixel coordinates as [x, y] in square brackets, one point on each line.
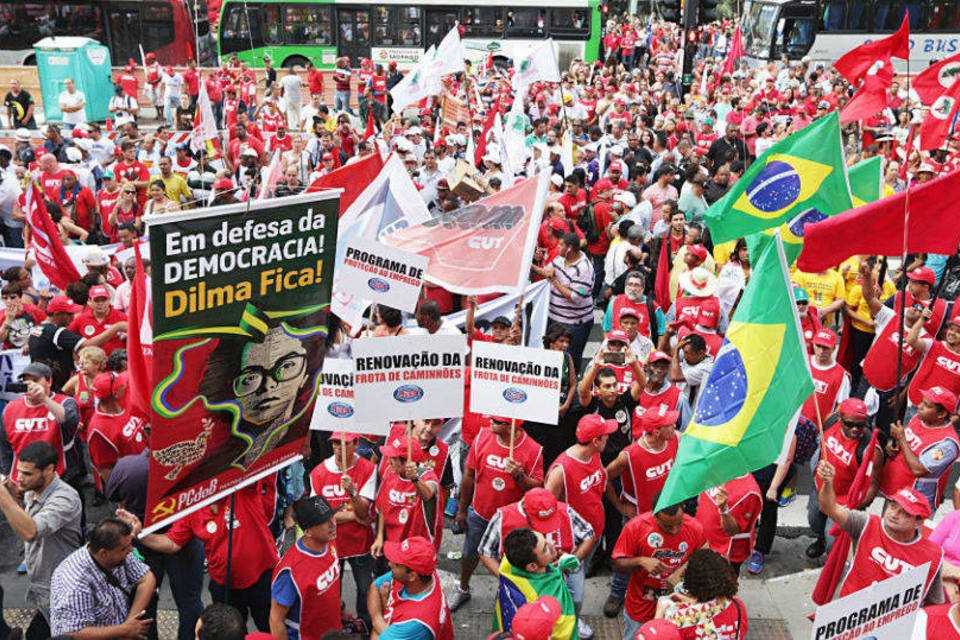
[587, 221]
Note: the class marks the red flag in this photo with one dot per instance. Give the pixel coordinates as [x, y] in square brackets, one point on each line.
[936, 126]
[352, 178]
[734, 53]
[907, 152]
[487, 125]
[854, 64]
[140, 341]
[662, 283]
[877, 227]
[871, 98]
[371, 129]
[45, 241]
[489, 63]
[833, 569]
[933, 81]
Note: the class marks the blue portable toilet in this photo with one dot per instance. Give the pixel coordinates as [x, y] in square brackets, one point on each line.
[83, 59]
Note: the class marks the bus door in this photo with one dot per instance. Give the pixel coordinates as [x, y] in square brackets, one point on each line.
[353, 34]
[439, 23]
[125, 32]
[796, 30]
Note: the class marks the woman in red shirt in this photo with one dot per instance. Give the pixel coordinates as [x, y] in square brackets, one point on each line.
[709, 608]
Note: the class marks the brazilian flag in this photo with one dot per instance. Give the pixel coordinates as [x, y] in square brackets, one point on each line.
[866, 180]
[801, 179]
[518, 587]
[759, 381]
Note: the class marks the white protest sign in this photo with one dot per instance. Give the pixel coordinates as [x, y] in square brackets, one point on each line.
[408, 377]
[883, 611]
[382, 274]
[515, 382]
[334, 410]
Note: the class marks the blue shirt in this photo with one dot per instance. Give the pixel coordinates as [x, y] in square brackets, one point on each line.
[408, 629]
[285, 593]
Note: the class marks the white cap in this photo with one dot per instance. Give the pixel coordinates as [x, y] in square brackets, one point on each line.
[557, 179]
[22, 134]
[403, 145]
[590, 147]
[413, 131]
[95, 257]
[627, 198]
[616, 150]
[74, 154]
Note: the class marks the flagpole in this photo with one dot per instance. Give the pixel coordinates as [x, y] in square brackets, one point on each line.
[903, 274]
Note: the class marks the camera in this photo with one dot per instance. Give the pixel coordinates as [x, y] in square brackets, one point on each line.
[615, 357]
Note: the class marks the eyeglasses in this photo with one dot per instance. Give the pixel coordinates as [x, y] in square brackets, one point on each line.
[853, 425]
[11, 296]
[127, 191]
[251, 379]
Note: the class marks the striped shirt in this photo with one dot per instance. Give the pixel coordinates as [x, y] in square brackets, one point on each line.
[578, 277]
[82, 596]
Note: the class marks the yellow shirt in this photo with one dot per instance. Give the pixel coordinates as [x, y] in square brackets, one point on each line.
[722, 251]
[824, 289]
[861, 309]
[850, 270]
[177, 189]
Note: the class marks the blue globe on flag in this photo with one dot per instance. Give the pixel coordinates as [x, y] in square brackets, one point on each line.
[725, 391]
[776, 187]
[810, 216]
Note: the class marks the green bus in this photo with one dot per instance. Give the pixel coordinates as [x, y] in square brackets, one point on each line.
[293, 32]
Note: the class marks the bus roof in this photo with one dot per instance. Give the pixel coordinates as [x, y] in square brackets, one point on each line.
[441, 3]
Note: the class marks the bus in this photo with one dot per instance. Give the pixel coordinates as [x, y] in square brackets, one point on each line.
[293, 32]
[171, 29]
[823, 30]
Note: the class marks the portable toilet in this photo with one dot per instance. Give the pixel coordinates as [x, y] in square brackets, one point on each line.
[83, 59]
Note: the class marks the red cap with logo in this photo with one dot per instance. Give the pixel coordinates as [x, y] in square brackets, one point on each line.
[709, 315]
[343, 436]
[923, 274]
[628, 311]
[913, 502]
[99, 291]
[825, 338]
[943, 397]
[618, 335]
[416, 553]
[400, 451]
[651, 420]
[658, 356]
[540, 504]
[535, 620]
[63, 304]
[853, 407]
[698, 250]
[592, 426]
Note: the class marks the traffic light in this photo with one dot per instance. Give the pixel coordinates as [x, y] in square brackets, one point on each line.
[690, 8]
[691, 40]
[670, 10]
[708, 11]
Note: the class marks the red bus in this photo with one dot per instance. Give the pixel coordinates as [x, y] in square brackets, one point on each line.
[171, 29]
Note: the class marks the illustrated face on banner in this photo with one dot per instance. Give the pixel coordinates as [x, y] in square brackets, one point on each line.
[273, 372]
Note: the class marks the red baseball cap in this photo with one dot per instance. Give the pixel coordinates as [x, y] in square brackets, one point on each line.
[853, 407]
[63, 304]
[416, 553]
[628, 311]
[99, 291]
[505, 420]
[535, 620]
[923, 274]
[592, 426]
[223, 184]
[400, 451]
[603, 184]
[825, 338]
[943, 397]
[651, 420]
[913, 502]
[616, 165]
[698, 250]
[658, 356]
[557, 224]
[105, 384]
[540, 504]
[344, 436]
[709, 315]
[658, 629]
[618, 335]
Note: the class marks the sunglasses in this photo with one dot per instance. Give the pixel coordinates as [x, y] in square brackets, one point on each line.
[130, 192]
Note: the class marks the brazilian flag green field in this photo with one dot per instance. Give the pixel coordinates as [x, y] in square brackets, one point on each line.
[759, 381]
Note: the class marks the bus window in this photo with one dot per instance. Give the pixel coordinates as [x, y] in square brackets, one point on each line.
[439, 23]
[235, 32]
[569, 22]
[157, 26]
[272, 30]
[125, 32]
[395, 26]
[483, 22]
[943, 15]
[526, 22]
[307, 24]
[887, 16]
[845, 15]
[22, 24]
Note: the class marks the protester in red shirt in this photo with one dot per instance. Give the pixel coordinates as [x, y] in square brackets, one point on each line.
[98, 317]
[113, 432]
[409, 502]
[51, 176]
[17, 317]
[78, 202]
[729, 514]
[131, 170]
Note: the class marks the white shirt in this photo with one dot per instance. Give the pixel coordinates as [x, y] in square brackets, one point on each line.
[74, 99]
[127, 105]
[172, 86]
[291, 90]
[9, 193]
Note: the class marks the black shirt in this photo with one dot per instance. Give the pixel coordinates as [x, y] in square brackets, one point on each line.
[622, 412]
[20, 104]
[55, 346]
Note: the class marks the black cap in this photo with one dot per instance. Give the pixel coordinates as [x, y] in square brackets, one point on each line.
[311, 511]
[502, 320]
[37, 370]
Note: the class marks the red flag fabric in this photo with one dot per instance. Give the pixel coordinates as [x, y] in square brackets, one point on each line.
[871, 98]
[487, 125]
[45, 241]
[483, 247]
[907, 152]
[734, 53]
[854, 64]
[271, 178]
[833, 569]
[662, 284]
[933, 81]
[936, 126]
[140, 341]
[353, 178]
[371, 129]
[877, 227]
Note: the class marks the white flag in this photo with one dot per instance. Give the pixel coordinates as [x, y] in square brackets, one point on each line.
[417, 84]
[508, 163]
[540, 63]
[205, 125]
[450, 54]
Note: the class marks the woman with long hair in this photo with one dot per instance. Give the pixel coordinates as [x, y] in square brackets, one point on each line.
[709, 607]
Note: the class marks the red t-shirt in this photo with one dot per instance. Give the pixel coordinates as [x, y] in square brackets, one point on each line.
[495, 487]
[110, 437]
[87, 326]
[192, 79]
[85, 203]
[254, 550]
[642, 538]
[51, 183]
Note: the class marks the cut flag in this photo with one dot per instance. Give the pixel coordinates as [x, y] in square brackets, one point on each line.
[854, 64]
[871, 98]
[45, 241]
[353, 178]
[936, 126]
[934, 81]
[800, 179]
[734, 54]
[140, 342]
[878, 227]
[758, 383]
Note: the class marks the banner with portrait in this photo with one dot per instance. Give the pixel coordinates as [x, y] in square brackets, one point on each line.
[241, 298]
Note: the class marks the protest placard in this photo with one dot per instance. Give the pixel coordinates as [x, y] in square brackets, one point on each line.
[515, 382]
[334, 410]
[240, 304]
[382, 274]
[883, 611]
[408, 377]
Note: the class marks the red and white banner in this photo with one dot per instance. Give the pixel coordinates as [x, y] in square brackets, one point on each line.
[45, 242]
[353, 178]
[483, 247]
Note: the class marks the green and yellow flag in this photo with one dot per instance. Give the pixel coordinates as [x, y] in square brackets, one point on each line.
[759, 381]
[866, 180]
[799, 180]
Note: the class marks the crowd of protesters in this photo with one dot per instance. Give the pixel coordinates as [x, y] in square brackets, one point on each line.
[558, 504]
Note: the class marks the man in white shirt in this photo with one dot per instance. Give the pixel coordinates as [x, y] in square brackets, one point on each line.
[73, 105]
[122, 107]
[292, 94]
[9, 193]
[172, 83]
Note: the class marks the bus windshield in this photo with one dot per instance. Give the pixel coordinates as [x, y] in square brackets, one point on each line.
[758, 29]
